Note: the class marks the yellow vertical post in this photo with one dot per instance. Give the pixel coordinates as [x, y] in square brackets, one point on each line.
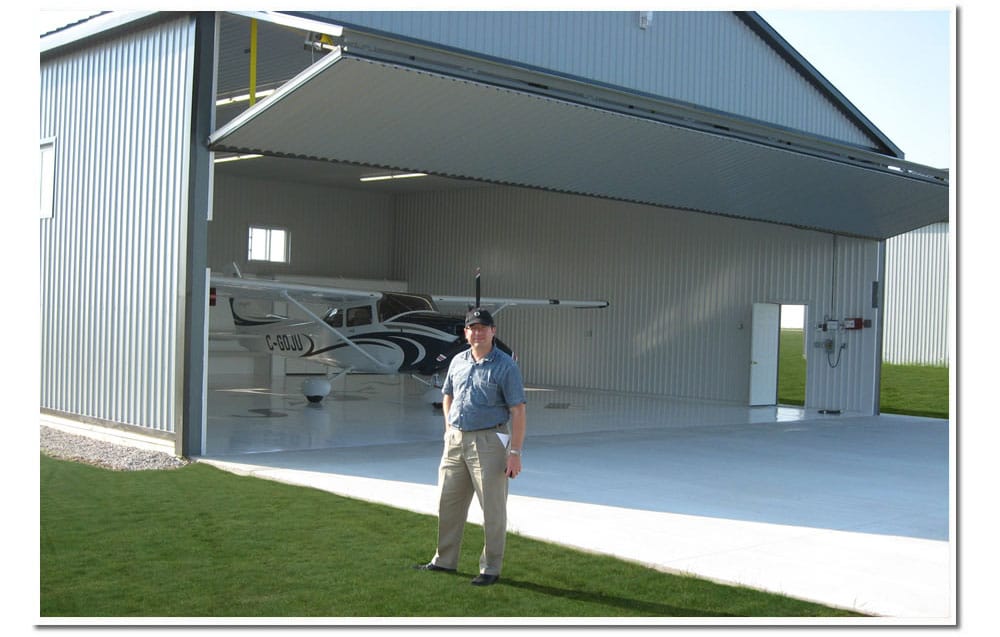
[253, 62]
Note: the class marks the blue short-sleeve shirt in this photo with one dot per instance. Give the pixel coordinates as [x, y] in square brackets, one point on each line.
[482, 392]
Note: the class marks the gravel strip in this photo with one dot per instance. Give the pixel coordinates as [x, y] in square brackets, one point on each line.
[67, 446]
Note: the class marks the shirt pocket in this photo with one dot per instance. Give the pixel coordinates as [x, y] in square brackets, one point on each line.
[486, 392]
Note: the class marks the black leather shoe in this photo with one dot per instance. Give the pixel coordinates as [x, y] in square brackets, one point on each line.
[485, 579]
[431, 566]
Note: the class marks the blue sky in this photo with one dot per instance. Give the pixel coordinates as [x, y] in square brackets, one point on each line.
[894, 66]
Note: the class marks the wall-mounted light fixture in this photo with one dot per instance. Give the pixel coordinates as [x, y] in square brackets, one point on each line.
[645, 19]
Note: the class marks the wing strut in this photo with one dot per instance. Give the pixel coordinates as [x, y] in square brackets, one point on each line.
[387, 368]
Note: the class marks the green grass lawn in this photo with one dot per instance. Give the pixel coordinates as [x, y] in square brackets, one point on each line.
[915, 390]
[791, 368]
[200, 542]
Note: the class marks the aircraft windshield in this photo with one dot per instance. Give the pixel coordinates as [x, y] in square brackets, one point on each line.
[395, 304]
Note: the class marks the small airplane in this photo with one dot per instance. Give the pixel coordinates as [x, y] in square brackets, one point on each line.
[363, 331]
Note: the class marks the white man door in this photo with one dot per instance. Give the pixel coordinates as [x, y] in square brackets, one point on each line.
[765, 331]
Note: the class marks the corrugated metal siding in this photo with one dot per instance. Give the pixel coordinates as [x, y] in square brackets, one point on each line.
[339, 233]
[681, 287]
[113, 254]
[709, 58]
[916, 290]
[846, 379]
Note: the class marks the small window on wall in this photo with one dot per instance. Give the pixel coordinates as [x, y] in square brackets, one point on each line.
[268, 244]
[48, 178]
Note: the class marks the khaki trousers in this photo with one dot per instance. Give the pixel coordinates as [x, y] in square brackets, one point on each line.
[473, 462]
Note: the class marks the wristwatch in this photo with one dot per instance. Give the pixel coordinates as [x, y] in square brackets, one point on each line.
[515, 452]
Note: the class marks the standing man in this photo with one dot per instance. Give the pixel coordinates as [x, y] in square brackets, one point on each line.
[482, 392]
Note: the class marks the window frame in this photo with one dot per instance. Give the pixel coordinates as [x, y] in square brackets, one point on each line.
[269, 243]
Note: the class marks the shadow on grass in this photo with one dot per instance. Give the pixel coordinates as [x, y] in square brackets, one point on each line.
[633, 606]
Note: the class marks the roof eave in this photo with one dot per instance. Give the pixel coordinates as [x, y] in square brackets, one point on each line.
[97, 25]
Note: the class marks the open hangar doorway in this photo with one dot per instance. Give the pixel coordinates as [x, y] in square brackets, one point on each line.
[553, 218]
[678, 284]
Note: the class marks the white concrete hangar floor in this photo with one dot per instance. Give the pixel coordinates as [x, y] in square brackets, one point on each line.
[848, 510]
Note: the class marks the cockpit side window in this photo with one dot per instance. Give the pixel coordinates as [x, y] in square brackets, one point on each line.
[334, 318]
[395, 304]
[357, 316]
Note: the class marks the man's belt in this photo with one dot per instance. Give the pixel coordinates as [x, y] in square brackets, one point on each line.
[503, 424]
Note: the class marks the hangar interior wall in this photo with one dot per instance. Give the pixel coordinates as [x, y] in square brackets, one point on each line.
[113, 253]
[681, 287]
[334, 232]
[681, 284]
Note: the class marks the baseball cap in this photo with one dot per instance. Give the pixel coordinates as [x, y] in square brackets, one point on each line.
[480, 316]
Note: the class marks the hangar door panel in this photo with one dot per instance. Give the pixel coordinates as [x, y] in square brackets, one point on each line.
[348, 108]
[764, 354]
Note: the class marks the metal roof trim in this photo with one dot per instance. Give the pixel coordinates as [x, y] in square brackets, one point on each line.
[91, 27]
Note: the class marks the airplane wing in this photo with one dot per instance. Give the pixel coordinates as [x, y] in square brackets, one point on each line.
[500, 303]
[306, 293]
[282, 290]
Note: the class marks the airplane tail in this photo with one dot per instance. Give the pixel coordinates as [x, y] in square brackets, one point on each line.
[246, 321]
[237, 319]
[251, 321]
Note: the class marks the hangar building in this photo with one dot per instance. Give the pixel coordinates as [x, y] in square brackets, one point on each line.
[689, 167]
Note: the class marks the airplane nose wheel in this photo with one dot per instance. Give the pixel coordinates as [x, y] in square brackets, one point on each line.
[316, 389]
[433, 396]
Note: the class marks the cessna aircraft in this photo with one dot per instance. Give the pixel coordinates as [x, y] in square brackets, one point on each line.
[363, 331]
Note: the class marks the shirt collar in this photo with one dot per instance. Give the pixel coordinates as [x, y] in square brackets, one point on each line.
[485, 359]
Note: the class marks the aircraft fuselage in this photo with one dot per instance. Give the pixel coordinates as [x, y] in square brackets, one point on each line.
[363, 338]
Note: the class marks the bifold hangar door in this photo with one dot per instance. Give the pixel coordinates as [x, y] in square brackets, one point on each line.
[356, 109]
